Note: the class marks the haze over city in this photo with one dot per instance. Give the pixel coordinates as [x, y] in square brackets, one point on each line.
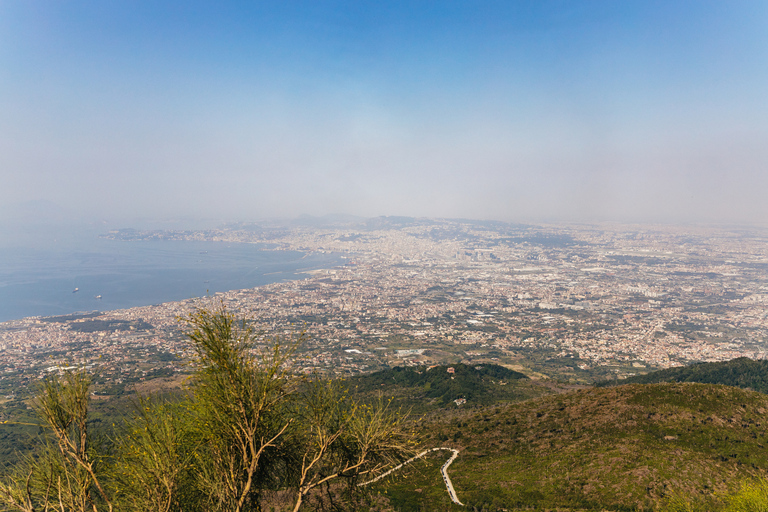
[518, 111]
[317, 254]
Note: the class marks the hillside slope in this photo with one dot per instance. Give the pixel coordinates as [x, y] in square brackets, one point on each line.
[617, 448]
[742, 372]
[429, 388]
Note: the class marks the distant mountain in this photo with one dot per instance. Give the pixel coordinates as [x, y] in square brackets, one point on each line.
[338, 220]
[394, 222]
[742, 373]
[36, 212]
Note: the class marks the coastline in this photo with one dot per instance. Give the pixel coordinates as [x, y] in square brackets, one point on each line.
[109, 277]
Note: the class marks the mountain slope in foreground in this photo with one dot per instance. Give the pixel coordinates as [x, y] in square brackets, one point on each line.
[618, 448]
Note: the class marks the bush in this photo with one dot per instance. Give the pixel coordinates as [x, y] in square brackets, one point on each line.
[248, 434]
[751, 497]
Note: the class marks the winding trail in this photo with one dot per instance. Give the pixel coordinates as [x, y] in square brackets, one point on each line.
[443, 471]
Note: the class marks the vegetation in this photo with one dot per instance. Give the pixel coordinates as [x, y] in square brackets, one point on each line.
[426, 388]
[619, 448]
[247, 435]
[742, 372]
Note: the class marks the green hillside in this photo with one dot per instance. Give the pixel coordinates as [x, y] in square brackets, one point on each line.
[619, 448]
[428, 388]
[742, 372]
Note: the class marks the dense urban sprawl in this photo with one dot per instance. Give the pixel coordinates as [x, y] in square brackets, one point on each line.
[576, 303]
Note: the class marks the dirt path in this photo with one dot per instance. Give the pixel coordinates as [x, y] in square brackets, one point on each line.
[443, 471]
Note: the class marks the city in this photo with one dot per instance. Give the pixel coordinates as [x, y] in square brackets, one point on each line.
[573, 303]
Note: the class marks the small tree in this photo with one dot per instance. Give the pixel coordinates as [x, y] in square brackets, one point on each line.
[64, 408]
[66, 473]
[154, 458]
[262, 426]
[240, 396]
[341, 440]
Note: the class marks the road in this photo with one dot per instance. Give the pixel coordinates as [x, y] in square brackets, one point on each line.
[443, 471]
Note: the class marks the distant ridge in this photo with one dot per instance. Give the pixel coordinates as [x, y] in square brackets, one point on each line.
[742, 372]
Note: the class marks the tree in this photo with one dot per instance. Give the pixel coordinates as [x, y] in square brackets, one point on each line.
[341, 439]
[154, 456]
[239, 398]
[263, 426]
[246, 424]
[66, 473]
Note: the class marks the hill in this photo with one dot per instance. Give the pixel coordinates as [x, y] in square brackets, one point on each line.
[617, 448]
[742, 373]
[625, 447]
[427, 388]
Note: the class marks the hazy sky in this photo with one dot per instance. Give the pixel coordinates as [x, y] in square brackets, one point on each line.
[511, 110]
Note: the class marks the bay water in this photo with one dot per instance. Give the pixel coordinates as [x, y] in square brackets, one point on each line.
[85, 273]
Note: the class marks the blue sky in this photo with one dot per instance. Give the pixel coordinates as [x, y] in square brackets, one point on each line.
[633, 111]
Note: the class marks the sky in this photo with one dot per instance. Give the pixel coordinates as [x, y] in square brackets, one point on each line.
[520, 111]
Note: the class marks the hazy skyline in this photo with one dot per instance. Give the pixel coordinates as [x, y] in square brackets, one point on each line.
[637, 111]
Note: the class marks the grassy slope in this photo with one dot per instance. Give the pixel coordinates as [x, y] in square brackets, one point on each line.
[619, 448]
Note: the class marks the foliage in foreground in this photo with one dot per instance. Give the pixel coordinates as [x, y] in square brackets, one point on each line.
[248, 435]
[751, 496]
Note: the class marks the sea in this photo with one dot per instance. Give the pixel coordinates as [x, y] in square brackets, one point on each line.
[65, 273]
